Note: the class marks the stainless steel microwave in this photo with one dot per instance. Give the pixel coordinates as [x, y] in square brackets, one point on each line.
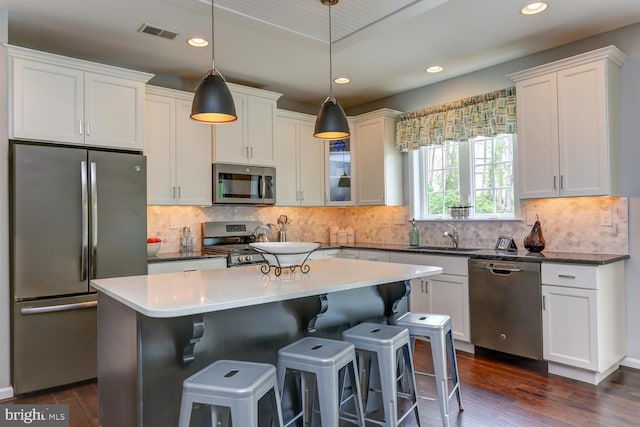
[240, 184]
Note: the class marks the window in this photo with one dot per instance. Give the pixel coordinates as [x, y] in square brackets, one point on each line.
[477, 173]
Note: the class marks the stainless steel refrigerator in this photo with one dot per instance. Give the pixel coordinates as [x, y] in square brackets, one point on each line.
[76, 214]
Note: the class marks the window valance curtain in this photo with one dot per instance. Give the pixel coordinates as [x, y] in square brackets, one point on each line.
[489, 114]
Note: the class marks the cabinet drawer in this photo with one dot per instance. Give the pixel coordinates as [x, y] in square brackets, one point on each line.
[456, 265]
[187, 265]
[571, 275]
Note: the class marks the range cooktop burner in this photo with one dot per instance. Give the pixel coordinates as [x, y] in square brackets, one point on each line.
[231, 238]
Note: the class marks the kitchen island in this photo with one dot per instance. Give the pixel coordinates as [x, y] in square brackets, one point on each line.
[156, 330]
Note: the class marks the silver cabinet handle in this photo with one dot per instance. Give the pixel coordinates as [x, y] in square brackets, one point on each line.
[61, 307]
[179, 193]
[174, 192]
[555, 182]
[85, 221]
[88, 127]
[251, 152]
[80, 126]
[566, 276]
[544, 302]
[562, 182]
[93, 178]
[426, 286]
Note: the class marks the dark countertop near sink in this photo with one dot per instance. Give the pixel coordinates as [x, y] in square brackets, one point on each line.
[523, 256]
[179, 256]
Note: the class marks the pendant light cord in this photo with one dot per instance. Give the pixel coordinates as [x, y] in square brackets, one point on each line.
[213, 60]
[330, 56]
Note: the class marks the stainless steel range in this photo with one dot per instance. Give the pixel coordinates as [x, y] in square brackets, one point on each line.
[232, 238]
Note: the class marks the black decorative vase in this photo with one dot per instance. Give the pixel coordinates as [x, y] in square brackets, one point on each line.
[534, 242]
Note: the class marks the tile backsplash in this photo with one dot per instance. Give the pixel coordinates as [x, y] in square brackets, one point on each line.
[568, 224]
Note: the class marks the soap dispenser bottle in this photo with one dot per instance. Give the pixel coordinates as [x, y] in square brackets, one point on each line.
[414, 234]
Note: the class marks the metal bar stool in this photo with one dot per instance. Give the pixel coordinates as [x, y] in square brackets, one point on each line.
[437, 327]
[385, 343]
[232, 389]
[324, 361]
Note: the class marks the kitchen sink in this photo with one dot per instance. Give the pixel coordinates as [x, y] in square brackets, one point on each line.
[443, 248]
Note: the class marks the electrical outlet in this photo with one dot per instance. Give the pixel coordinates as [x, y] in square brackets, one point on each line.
[399, 219]
[531, 218]
[606, 219]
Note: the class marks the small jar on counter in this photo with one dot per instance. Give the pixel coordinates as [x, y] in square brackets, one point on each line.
[351, 235]
[333, 234]
[342, 236]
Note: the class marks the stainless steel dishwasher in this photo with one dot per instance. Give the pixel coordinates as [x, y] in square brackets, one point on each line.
[505, 301]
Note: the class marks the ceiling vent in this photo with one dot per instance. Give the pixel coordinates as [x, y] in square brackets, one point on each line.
[155, 31]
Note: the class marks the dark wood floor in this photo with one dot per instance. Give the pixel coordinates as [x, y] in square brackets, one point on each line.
[497, 390]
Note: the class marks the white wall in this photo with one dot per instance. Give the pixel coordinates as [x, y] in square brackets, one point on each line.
[628, 40]
[5, 370]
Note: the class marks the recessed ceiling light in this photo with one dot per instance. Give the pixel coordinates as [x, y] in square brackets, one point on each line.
[197, 42]
[342, 80]
[533, 8]
[434, 69]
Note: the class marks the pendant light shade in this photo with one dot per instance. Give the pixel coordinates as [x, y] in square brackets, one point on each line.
[212, 102]
[331, 122]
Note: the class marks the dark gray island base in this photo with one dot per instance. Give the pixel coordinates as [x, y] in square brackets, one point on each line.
[143, 359]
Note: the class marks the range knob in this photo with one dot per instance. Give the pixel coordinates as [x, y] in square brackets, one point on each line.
[241, 258]
[248, 258]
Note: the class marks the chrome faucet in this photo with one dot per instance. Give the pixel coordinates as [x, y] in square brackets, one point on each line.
[452, 235]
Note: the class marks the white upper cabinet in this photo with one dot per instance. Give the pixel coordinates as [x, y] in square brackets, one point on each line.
[250, 139]
[379, 164]
[59, 99]
[568, 133]
[299, 161]
[178, 150]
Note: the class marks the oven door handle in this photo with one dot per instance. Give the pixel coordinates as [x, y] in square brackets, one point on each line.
[260, 187]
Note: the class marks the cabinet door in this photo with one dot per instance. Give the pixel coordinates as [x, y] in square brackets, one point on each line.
[370, 157]
[286, 162]
[231, 138]
[48, 102]
[538, 137]
[583, 131]
[569, 325]
[260, 119]
[446, 294]
[311, 165]
[193, 158]
[160, 138]
[418, 298]
[114, 112]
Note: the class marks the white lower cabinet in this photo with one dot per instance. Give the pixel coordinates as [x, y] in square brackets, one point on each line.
[446, 293]
[584, 319]
[186, 265]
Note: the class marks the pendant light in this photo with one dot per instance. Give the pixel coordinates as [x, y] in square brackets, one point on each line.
[331, 122]
[213, 102]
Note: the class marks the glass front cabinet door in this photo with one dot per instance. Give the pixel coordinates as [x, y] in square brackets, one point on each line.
[339, 186]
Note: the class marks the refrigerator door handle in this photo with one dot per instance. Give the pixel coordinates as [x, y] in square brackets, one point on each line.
[94, 219]
[85, 222]
[61, 307]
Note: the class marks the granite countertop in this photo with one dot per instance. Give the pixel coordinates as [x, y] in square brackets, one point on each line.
[477, 253]
[203, 291]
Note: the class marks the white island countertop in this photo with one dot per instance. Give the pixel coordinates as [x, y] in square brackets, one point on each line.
[195, 292]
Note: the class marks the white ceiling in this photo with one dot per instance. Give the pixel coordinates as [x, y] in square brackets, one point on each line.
[382, 45]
